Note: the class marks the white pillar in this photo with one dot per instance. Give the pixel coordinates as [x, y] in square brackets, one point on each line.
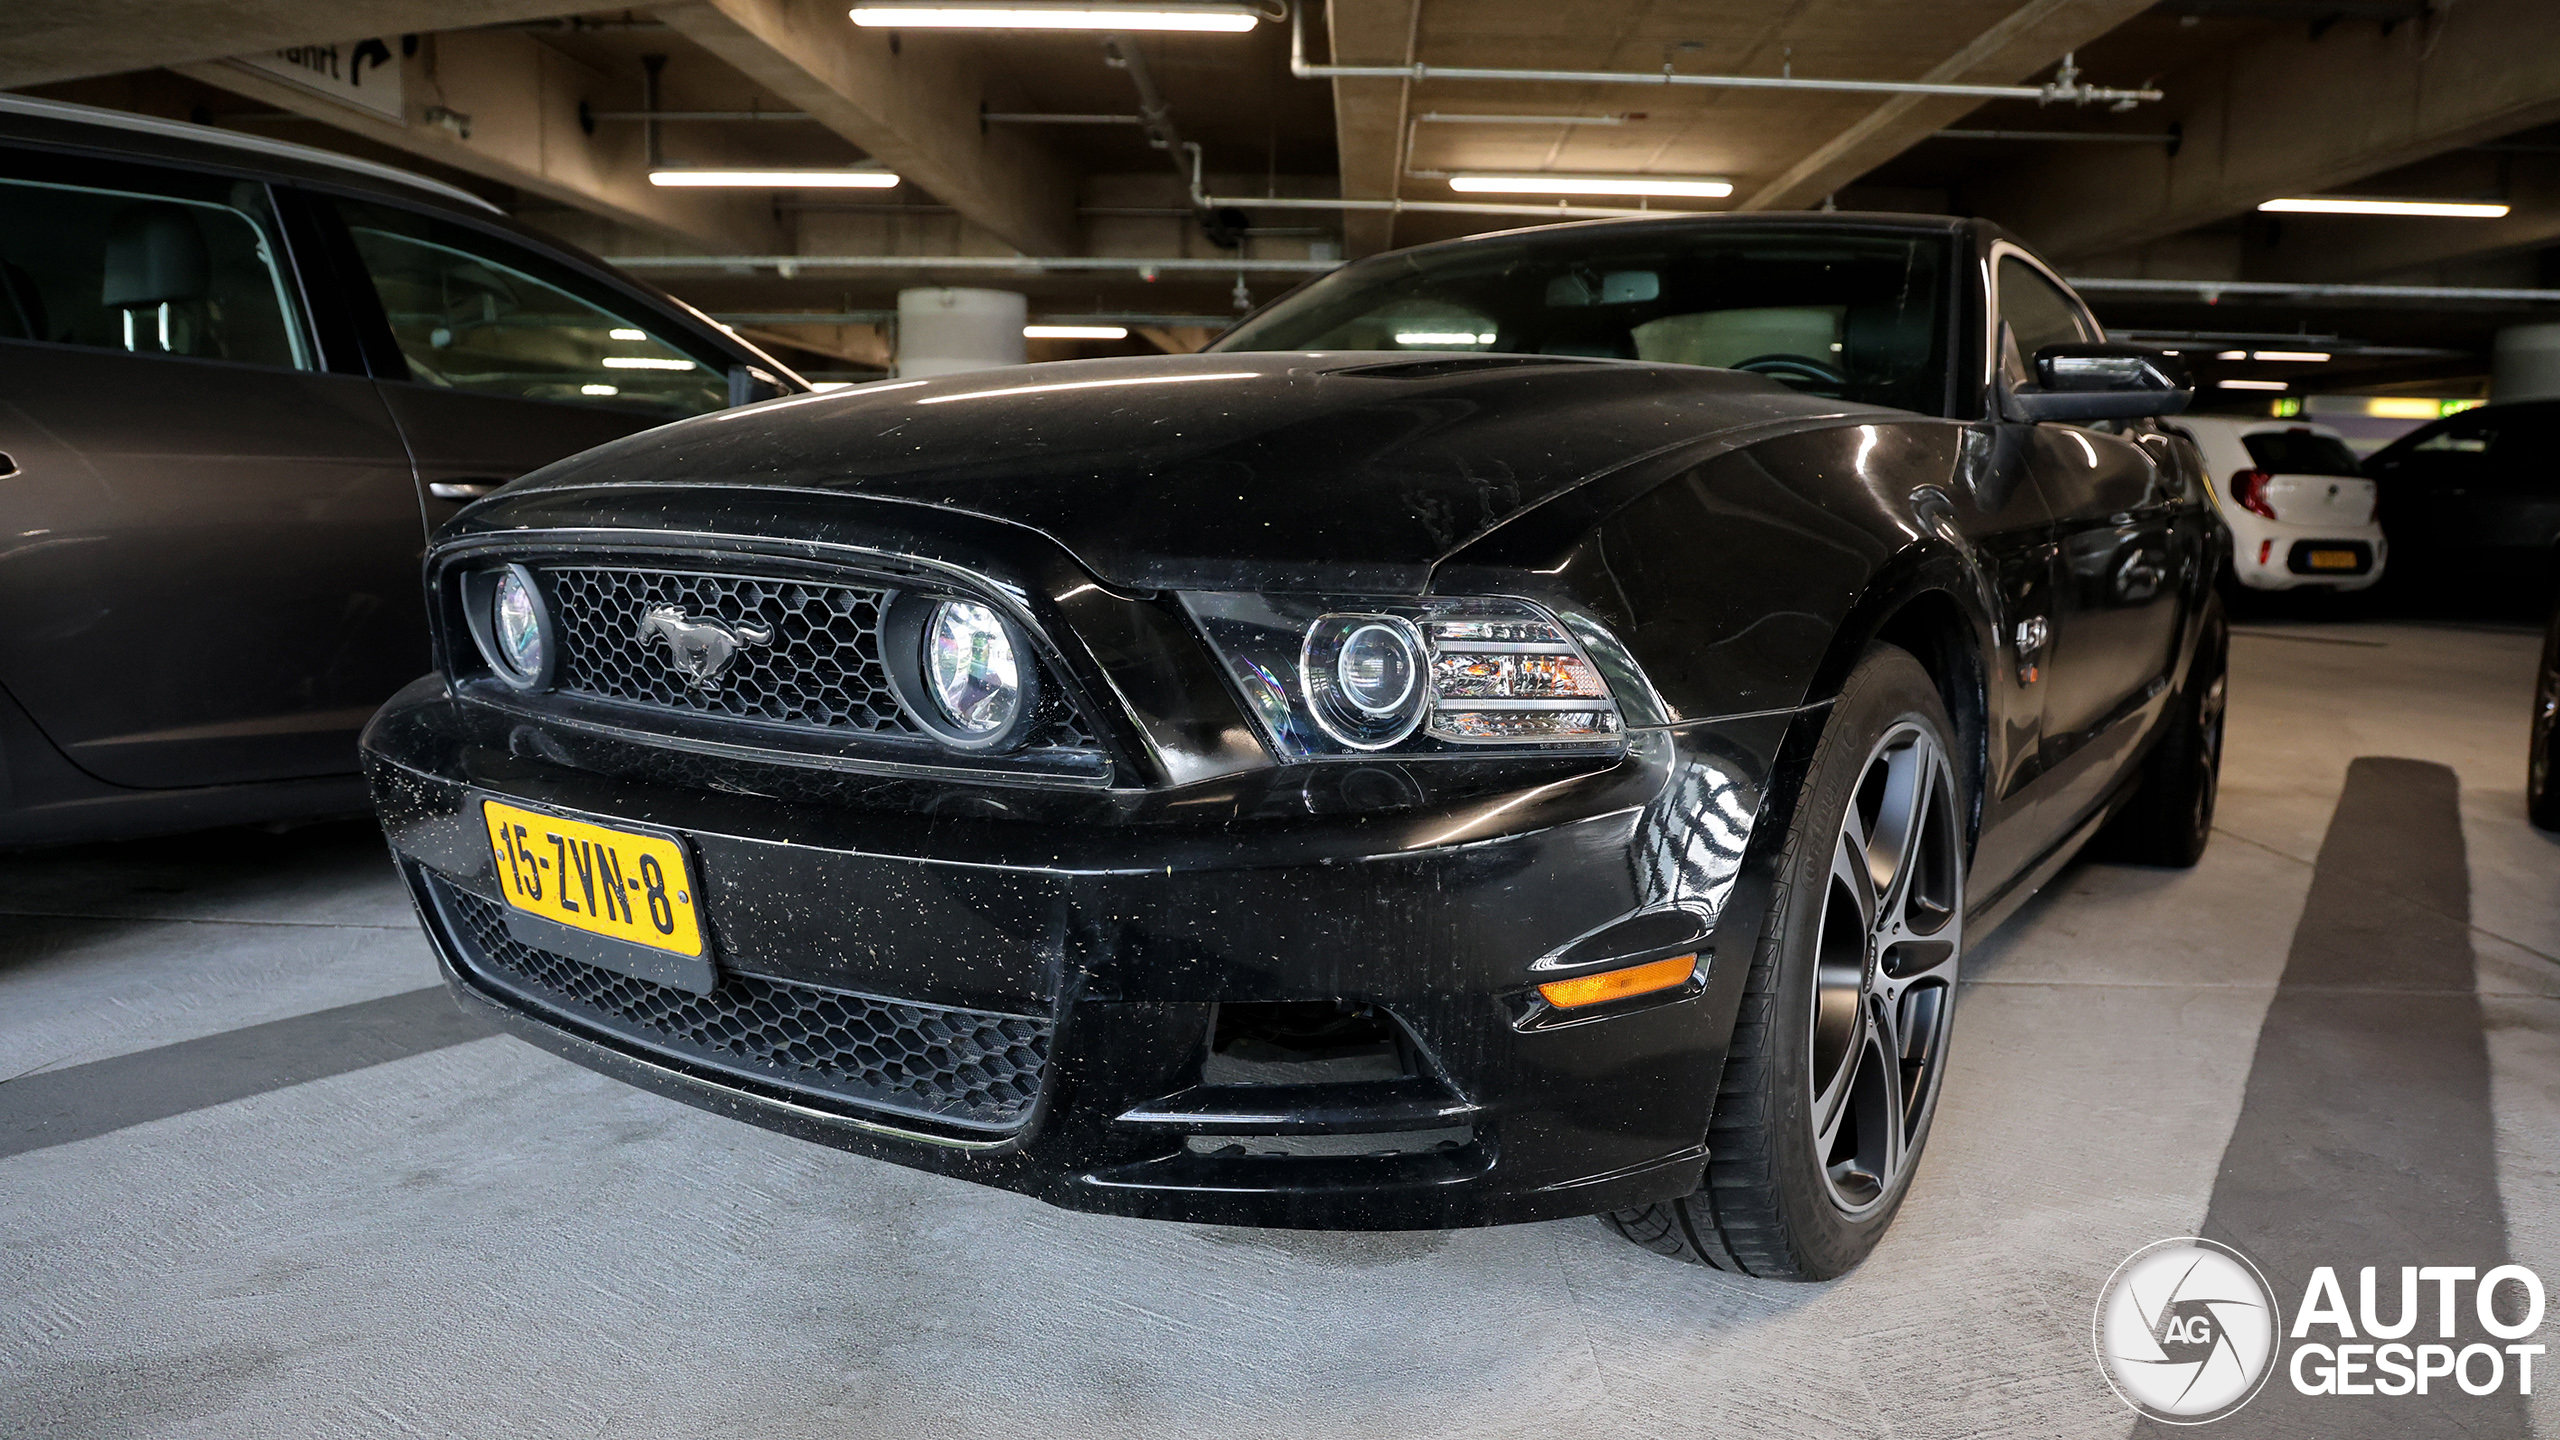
[945, 332]
[2526, 365]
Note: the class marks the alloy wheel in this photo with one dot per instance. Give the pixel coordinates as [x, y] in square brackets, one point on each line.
[2209, 726]
[1885, 968]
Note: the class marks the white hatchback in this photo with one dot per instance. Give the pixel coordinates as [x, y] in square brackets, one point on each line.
[2300, 510]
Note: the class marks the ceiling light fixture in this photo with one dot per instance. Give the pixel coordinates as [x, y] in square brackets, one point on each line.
[2335, 205]
[776, 179]
[2306, 356]
[1031, 15]
[1075, 332]
[2255, 385]
[1590, 185]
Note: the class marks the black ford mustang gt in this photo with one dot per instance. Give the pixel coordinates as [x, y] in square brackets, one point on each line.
[1524, 727]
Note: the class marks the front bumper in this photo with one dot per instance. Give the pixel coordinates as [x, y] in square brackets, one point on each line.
[1103, 934]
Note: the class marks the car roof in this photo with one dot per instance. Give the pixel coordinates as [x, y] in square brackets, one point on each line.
[1847, 220]
[149, 136]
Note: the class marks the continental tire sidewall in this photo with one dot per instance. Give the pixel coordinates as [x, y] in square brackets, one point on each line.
[1887, 689]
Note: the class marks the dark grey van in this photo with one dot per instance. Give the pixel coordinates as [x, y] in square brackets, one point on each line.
[240, 381]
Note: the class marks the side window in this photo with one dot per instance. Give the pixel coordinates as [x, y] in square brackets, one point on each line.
[2037, 314]
[472, 312]
[151, 264]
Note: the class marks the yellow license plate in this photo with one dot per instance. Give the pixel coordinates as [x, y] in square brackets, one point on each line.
[2333, 559]
[604, 881]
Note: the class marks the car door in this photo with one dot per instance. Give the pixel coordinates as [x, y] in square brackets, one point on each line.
[497, 358]
[2115, 506]
[212, 537]
[2007, 524]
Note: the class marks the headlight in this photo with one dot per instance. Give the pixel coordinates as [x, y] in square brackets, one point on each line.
[1424, 677]
[511, 624]
[970, 669]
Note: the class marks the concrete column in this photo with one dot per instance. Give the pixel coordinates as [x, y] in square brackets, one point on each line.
[2526, 364]
[945, 332]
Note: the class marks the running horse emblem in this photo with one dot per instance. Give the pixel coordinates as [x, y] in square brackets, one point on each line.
[699, 649]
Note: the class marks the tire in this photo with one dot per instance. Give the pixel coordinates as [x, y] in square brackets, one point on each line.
[1816, 1133]
[2542, 768]
[2169, 820]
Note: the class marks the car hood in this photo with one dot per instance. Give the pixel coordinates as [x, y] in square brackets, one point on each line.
[1341, 471]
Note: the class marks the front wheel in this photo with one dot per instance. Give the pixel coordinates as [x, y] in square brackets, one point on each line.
[1841, 1042]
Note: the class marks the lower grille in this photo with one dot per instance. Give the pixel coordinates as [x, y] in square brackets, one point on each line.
[971, 1068]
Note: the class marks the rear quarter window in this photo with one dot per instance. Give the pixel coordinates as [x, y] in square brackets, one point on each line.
[2300, 452]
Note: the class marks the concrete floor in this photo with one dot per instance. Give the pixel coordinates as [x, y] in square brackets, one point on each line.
[481, 1240]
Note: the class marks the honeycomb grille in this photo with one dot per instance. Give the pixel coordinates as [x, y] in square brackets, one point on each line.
[964, 1067]
[820, 668]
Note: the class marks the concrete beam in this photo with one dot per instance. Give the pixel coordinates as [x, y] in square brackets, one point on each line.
[911, 102]
[522, 97]
[2022, 47]
[1368, 115]
[73, 39]
[2293, 115]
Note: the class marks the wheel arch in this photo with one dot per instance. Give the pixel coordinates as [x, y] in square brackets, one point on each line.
[1930, 604]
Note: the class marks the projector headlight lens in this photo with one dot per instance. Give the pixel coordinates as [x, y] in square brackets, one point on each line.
[1361, 675]
[515, 625]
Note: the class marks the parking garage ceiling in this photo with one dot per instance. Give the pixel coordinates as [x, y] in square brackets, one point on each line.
[1032, 145]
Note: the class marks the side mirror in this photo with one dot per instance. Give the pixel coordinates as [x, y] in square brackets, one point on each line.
[2101, 382]
[751, 383]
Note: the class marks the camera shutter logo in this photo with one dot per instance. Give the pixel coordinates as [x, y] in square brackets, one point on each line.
[2186, 1331]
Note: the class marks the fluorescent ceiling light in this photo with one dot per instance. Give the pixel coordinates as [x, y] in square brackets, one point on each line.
[599, 389]
[1589, 185]
[1075, 332]
[620, 333]
[1017, 15]
[2335, 205]
[1437, 337]
[2231, 355]
[2254, 385]
[644, 362]
[777, 179]
[2307, 356]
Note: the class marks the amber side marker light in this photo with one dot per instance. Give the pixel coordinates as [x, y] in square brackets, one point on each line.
[1619, 984]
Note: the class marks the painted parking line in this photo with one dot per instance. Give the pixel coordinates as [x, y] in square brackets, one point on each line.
[78, 1102]
[2365, 1134]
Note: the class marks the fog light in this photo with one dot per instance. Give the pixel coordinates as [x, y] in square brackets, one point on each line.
[970, 667]
[1619, 984]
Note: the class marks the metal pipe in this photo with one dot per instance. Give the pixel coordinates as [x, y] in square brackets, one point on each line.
[2064, 88]
[882, 317]
[996, 117]
[1439, 207]
[1434, 117]
[2214, 289]
[792, 264]
[1154, 113]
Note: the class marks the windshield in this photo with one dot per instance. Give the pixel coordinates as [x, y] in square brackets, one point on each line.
[1839, 314]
